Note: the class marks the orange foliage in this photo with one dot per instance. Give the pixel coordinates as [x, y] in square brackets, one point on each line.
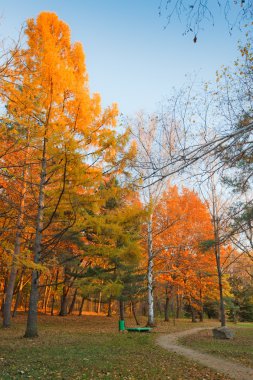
[182, 222]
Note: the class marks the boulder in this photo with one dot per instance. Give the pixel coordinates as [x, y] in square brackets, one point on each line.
[223, 333]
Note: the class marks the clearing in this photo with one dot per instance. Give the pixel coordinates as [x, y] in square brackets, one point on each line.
[90, 347]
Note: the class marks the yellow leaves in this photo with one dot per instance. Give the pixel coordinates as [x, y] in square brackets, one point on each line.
[244, 51]
[68, 128]
[54, 93]
[78, 59]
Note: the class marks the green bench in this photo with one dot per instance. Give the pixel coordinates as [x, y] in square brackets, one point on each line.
[139, 329]
[133, 329]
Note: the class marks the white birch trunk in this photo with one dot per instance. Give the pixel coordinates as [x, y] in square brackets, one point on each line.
[151, 316]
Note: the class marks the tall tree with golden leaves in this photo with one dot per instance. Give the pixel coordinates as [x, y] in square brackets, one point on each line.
[67, 125]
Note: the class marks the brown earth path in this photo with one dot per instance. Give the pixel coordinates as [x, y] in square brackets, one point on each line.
[233, 370]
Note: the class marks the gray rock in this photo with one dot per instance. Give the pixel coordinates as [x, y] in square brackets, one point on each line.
[223, 333]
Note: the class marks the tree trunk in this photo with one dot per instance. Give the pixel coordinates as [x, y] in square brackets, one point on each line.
[158, 306]
[222, 306]
[173, 308]
[151, 316]
[121, 310]
[178, 306]
[16, 253]
[81, 306]
[216, 228]
[18, 297]
[32, 320]
[64, 302]
[201, 312]
[19, 290]
[193, 313]
[47, 298]
[4, 288]
[71, 308]
[55, 289]
[109, 312]
[134, 313]
[166, 307]
[99, 303]
[52, 305]
[44, 299]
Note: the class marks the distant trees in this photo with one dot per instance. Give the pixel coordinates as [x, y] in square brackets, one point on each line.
[187, 273]
[241, 276]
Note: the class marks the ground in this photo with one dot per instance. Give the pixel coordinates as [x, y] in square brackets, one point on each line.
[90, 347]
[238, 350]
[231, 369]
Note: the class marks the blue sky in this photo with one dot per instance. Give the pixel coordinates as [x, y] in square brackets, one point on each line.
[130, 58]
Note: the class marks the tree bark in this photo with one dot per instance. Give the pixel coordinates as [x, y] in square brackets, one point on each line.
[71, 308]
[134, 313]
[151, 316]
[222, 306]
[121, 310]
[19, 290]
[109, 312]
[32, 320]
[193, 313]
[81, 306]
[216, 227]
[55, 289]
[178, 306]
[44, 299]
[159, 307]
[17, 247]
[166, 307]
[99, 303]
[201, 312]
[52, 305]
[4, 288]
[47, 298]
[64, 302]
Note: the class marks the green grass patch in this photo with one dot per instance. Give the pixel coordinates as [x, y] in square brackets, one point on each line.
[239, 349]
[91, 348]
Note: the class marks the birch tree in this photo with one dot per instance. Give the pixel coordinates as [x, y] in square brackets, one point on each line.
[153, 144]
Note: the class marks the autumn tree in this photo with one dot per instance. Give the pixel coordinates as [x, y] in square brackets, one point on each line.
[153, 145]
[181, 267]
[69, 132]
[113, 244]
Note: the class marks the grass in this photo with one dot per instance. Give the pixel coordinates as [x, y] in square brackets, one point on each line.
[90, 347]
[239, 349]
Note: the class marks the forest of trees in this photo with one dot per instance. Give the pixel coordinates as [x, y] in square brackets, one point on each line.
[154, 220]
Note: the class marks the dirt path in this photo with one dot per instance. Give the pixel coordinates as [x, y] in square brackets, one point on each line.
[235, 371]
